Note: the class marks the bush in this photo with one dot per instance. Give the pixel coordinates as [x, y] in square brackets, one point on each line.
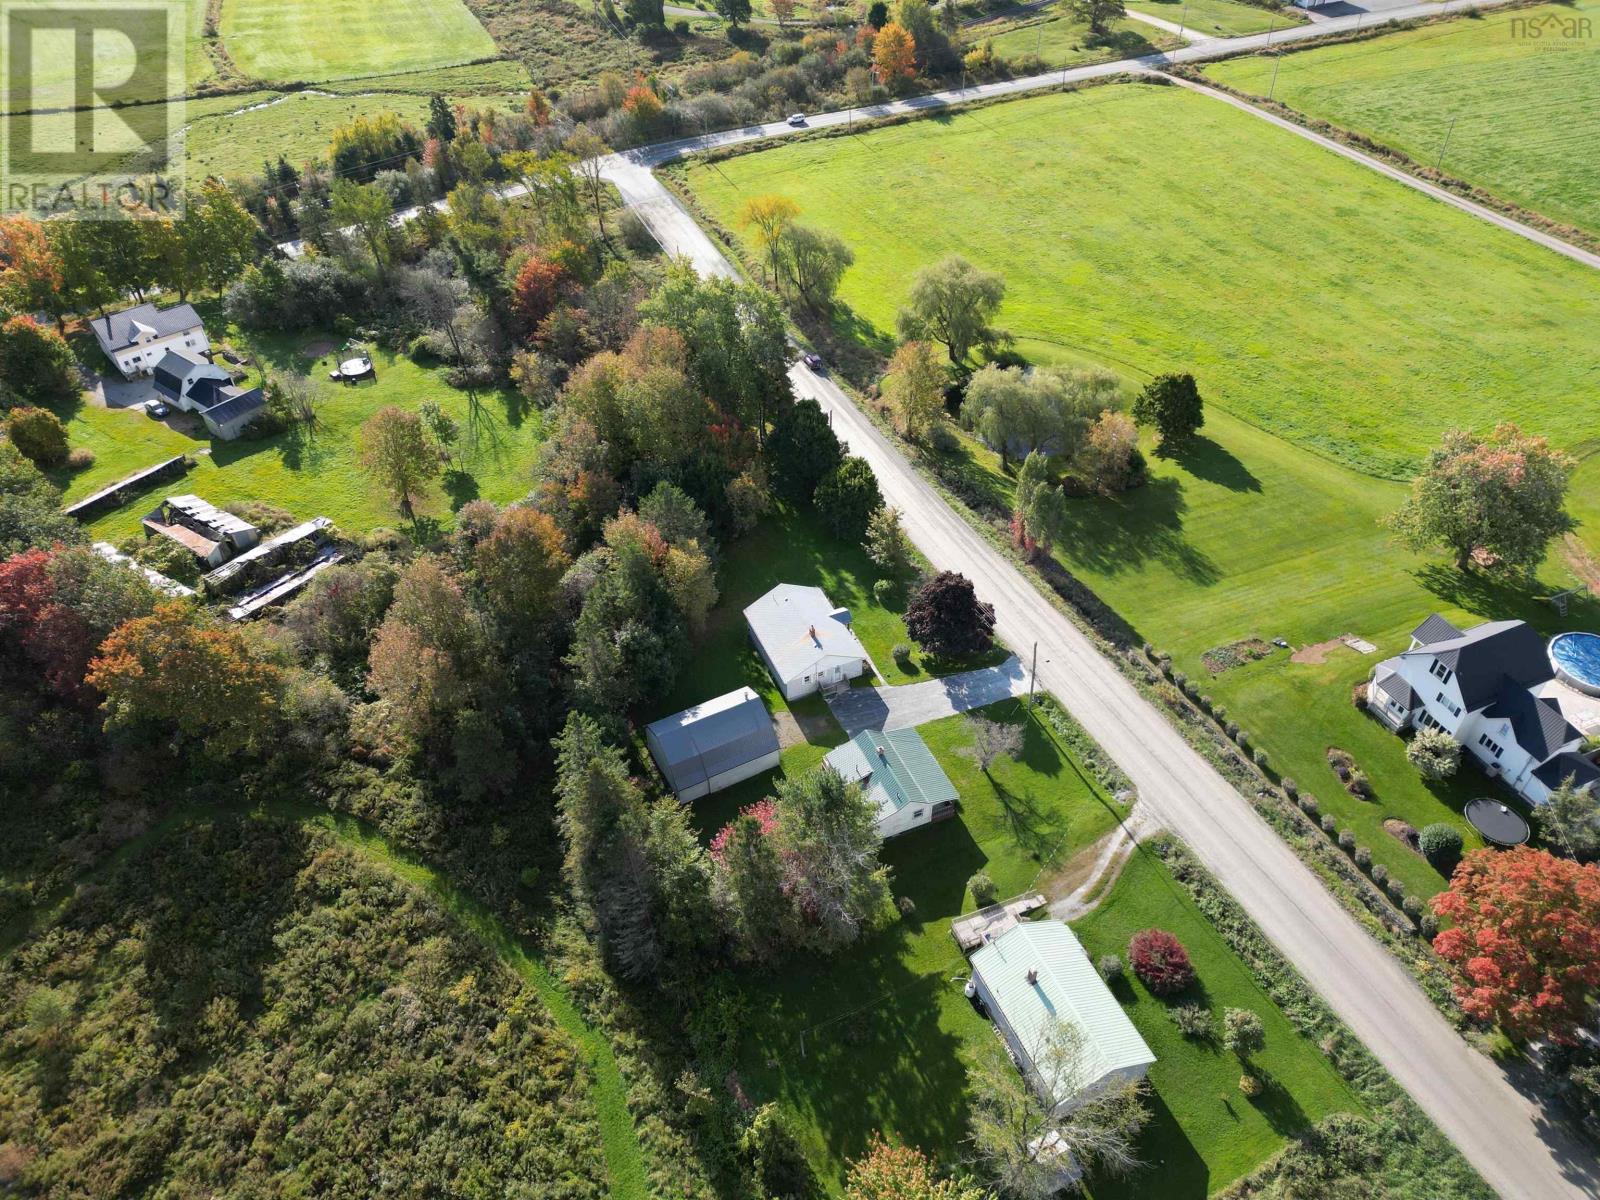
[942, 439]
[1434, 753]
[1347, 841]
[1231, 729]
[1180, 679]
[1359, 785]
[1397, 891]
[80, 459]
[35, 362]
[1363, 858]
[883, 591]
[901, 651]
[528, 877]
[1290, 787]
[1193, 1021]
[1440, 844]
[1380, 874]
[1329, 825]
[907, 906]
[636, 235]
[1412, 907]
[1260, 757]
[982, 889]
[1110, 966]
[38, 434]
[1430, 926]
[1249, 1085]
[1242, 738]
[1205, 703]
[1160, 960]
[1309, 805]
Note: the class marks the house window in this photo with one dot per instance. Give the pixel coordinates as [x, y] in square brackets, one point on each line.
[1440, 670]
[1427, 722]
[1489, 744]
[1443, 703]
[916, 814]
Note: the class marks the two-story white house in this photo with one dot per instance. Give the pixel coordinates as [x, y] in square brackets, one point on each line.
[134, 339]
[1493, 689]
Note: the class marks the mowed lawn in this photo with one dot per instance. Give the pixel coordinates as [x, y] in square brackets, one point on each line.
[1220, 18]
[311, 40]
[316, 473]
[1152, 229]
[1521, 113]
[1063, 41]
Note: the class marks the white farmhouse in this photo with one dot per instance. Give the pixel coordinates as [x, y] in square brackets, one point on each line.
[1493, 689]
[134, 339]
[1038, 973]
[806, 643]
[903, 781]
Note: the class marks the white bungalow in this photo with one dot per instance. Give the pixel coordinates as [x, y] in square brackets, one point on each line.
[903, 781]
[805, 641]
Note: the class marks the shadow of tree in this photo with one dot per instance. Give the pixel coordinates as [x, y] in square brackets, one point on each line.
[1114, 535]
[1163, 1146]
[1210, 461]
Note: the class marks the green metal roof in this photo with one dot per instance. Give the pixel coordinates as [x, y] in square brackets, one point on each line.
[895, 768]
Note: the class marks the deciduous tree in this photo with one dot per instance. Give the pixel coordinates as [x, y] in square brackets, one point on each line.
[1038, 505]
[811, 262]
[536, 290]
[828, 838]
[397, 450]
[521, 563]
[1569, 821]
[890, 1172]
[894, 56]
[768, 216]
[954, 303]
[1171, 404]
[1525, 938]
[30, 269]
[1097, 14]
[991, 739]
[946, 618]
[35, 362]
[39, 434]
[1048, 409]
[914, 386]
[886, 543]
[1495, 501]
[1109, 451]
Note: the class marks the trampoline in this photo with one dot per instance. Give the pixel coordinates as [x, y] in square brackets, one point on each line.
[1496, 822]
[1575, 658]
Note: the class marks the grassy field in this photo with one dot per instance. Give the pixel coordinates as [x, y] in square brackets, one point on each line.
[1061, 41]
[1521, 113]
[1335, 308]
[314, 474]
[276, 40]
[1247, 534]
[877, 1038]
[1205, 1134]
[1220, 18]
[52, 77]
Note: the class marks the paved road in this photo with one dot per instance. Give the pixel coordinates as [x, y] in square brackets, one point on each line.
[1500, 1132]
[914, 704]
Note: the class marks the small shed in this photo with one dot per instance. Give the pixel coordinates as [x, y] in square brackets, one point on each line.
[714, 745]
[1038, 973]
[900, 775]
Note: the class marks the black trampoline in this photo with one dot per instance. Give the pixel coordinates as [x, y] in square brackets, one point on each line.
[1496, 822]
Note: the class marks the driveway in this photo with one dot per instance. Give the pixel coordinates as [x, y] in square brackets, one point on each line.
[916, 704]
[111, 391]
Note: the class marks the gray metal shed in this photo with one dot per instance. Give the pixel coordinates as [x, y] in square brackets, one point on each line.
[714, 745]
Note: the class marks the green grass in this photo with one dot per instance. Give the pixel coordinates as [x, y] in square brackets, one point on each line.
[311, 40]
[1220, 18]
[1061, 41]
[1247, 534]
[316, 474]
[1522, 114]
[1205, 1133]
[52, 76]
[1322, 302]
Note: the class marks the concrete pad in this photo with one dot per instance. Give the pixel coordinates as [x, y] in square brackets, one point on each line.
[918, 703]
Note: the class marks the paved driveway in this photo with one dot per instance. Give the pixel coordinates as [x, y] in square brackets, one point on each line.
[918, 703]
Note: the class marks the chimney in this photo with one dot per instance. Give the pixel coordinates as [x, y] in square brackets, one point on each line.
[812, 630]
[1033, 975]
[882, 755]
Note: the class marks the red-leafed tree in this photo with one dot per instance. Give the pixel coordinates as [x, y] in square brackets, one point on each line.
[55, 640]
[1160, 960]
[1526, 940]
[763, 812]
[536, 290]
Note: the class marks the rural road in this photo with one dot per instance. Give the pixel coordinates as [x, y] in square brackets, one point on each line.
[1504, 1135]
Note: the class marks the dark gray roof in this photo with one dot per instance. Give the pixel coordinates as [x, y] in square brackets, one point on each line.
[1397, 689]
[179, 362]
[115, 331]
[167, 384]
[700, 742]
[1435, 629]
[1536, 720]
[1491, 658]
[236, 405]
[1554, 773]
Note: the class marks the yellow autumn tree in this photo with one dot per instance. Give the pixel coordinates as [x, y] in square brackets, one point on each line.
[894, 56]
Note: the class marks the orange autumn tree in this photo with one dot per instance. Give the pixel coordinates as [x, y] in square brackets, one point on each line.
[169, 667]
[887, 1172]
[894, 55]
[1526, 940]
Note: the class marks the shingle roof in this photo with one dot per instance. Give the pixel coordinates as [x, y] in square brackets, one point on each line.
[1538, 722]
[1554, 773]
[1435, 629]
[1066, 988]
[1490, 658]
[115, 331]
[798, 627]
[905, 772]
[707, 739]
[1394, 687]
[236, 405]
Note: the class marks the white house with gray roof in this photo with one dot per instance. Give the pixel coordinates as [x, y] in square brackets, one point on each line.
[1494, 690]
[1038, 973]
[134, 339]
[805, 641]
[902, 779]
[714, 745]
[187, 380]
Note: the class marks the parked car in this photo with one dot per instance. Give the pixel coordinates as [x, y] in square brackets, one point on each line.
[157, 409]
[797, 118]
[814, 361]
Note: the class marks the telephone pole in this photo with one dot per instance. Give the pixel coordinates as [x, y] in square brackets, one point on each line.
[1033, 673]
[1439, 166]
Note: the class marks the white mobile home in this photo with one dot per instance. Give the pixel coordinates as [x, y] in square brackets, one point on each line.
[804, 640]
[900, 776]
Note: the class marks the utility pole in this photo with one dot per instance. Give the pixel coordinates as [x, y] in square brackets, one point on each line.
[1276, 63]
[1439, 166]
[1033, 673]
[1183, 21]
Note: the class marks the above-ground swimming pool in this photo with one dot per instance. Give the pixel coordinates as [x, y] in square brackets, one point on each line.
[1576, 659]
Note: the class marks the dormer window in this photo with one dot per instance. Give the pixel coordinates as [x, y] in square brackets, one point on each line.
[1441, 671]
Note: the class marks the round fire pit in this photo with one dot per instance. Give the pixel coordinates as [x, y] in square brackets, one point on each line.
[1496, 822]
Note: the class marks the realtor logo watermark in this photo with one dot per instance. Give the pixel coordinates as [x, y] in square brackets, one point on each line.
[91, 97]
[1551, 26]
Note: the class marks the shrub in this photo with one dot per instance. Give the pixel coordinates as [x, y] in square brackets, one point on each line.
[1440, 844]
[36, 362]
[942, 439]
[1412, 906]
[1347, 841]
[907, 906]
[1309, 805]
[636, 235]
[1179, 678]
[80, 459]
[1205, 703]
[1249, 1085]
[1434, 753]
[1359, 785]
[528, 877]
[1231, 729]
[1290, 787]
[1260, 757]
[39, 434]
[982, 888]
[1430, 926]
[1193, 1021]
[1363, 858]
[1220, 712]
[1160, 960]
[1242, 1032]
[1397, 890]
[883, 591]
[1329, 825]
[1242, 738]
[901, 651]
[1110, 966]
[1380, 874]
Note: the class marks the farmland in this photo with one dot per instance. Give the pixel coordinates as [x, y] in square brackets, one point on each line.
[274, 40]
[1513, 113]
[1061, 41]
[1221, 18]
[1259, 531]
